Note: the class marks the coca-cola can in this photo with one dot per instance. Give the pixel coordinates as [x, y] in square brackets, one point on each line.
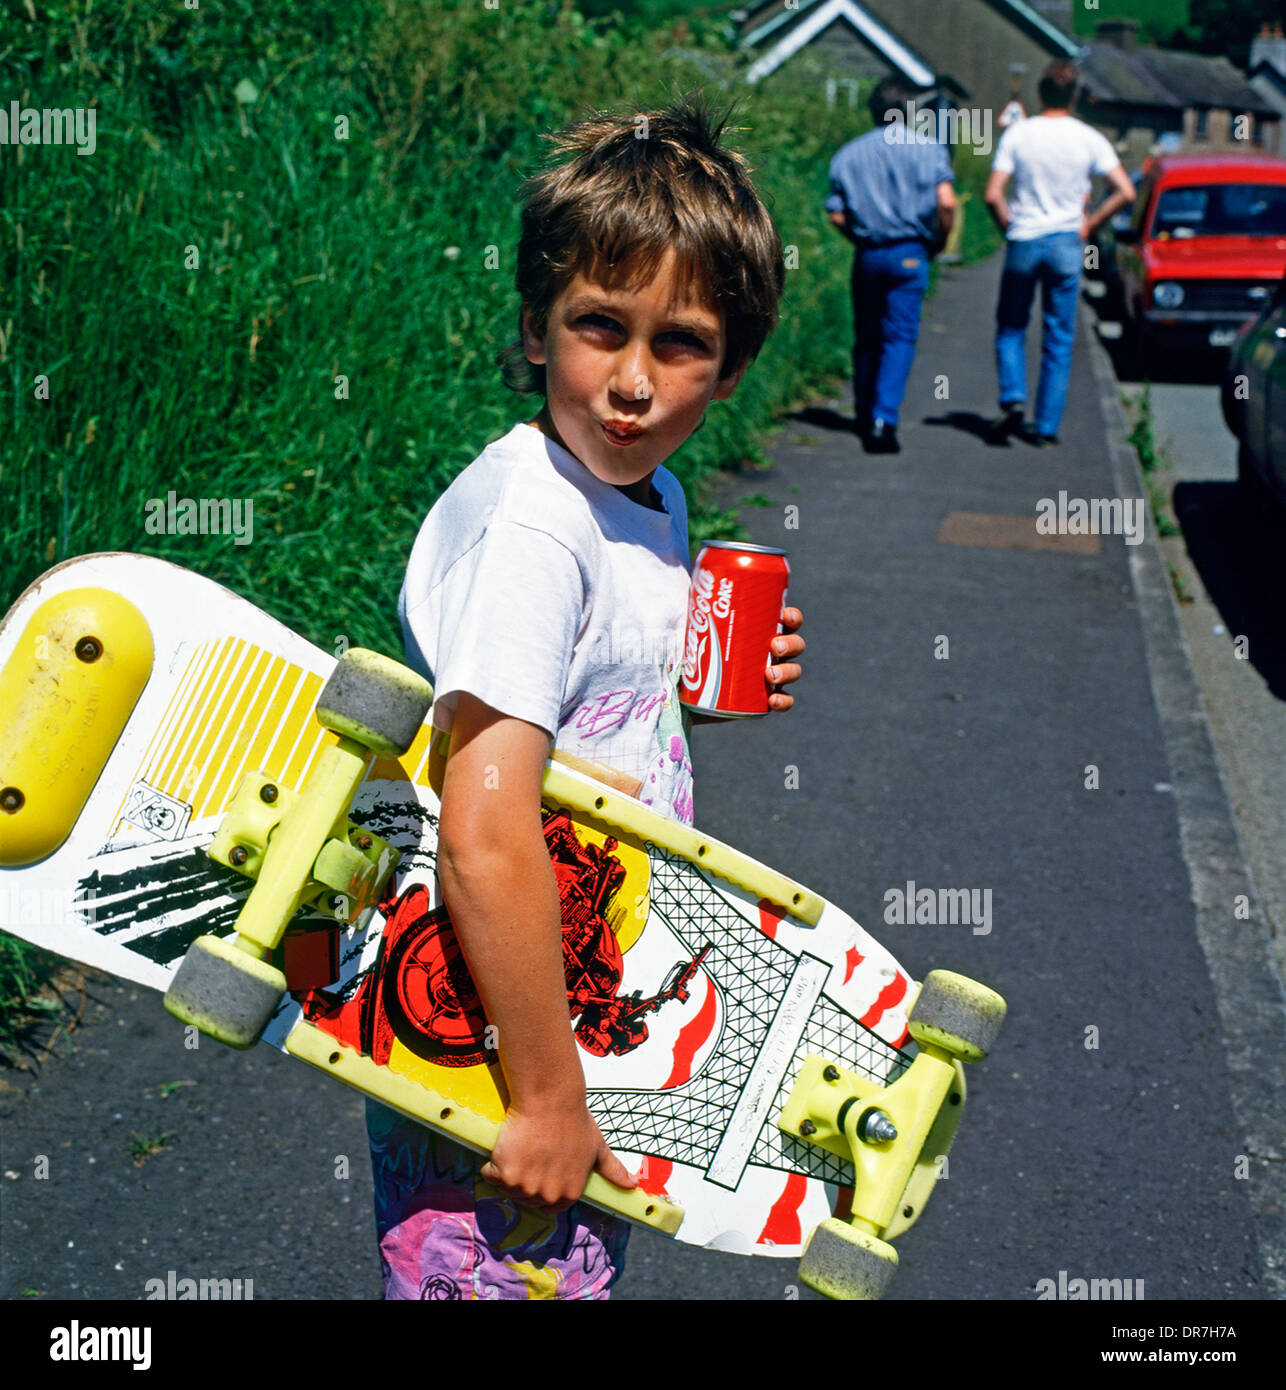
[734, 612]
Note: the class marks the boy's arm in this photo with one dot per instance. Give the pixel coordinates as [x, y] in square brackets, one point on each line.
[499, 887]
[994, 197]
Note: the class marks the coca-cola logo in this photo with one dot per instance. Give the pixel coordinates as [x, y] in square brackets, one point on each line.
[723, 604]
[698, 625]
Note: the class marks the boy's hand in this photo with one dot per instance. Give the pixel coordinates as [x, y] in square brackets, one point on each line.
[784, 648]
[544, 1158]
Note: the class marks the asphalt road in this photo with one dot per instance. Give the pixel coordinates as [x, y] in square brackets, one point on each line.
[1230, 569]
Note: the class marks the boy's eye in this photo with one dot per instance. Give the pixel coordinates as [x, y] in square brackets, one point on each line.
[601, 321]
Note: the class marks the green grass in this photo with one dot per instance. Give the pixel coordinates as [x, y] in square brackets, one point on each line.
[194, 292]
[227, 301]
[1153, 463]
[144, 1146]
[25, 1002]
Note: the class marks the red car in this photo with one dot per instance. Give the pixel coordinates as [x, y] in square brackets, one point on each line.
[1205, 247]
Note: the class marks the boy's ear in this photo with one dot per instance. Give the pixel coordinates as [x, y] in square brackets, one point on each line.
[533, 345]
[729, 384]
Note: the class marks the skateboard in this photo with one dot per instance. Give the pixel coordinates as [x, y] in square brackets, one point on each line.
[196, 799]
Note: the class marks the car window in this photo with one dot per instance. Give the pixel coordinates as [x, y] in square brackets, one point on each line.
[1222, 209]
[1181, 212]
[1141, 205]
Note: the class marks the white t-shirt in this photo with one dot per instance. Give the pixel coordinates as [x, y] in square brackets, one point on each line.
[1051, 159]
[551, 596]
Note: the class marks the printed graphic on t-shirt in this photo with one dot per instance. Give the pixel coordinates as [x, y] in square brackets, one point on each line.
[667, 782]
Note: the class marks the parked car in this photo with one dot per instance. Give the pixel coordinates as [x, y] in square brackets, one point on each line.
[1204, 249]
[1254, 401]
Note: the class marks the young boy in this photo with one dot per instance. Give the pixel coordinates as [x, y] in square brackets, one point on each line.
[546, 599]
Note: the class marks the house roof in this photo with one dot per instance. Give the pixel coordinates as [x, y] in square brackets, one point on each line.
[787, 31]
[1038, 21]
[1264, 71]
[1167, 78]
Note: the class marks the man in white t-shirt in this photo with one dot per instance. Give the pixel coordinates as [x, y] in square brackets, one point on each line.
[1050, 158]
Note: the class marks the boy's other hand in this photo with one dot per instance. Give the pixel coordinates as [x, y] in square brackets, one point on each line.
[785, 648]
[544, 1158]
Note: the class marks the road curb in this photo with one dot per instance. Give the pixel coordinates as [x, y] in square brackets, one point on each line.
[1238, 951]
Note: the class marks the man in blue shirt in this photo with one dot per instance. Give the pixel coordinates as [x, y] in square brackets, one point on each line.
[892, 196]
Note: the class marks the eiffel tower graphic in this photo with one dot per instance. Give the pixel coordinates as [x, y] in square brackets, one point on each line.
[716, 1121]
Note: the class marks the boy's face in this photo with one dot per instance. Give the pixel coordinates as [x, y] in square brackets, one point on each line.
[628, 375]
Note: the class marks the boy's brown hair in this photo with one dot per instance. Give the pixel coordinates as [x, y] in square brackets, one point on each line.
[639, 185]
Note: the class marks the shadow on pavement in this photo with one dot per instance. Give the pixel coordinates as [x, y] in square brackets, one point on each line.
[823, 419]
[968, 421]
[1235, 545]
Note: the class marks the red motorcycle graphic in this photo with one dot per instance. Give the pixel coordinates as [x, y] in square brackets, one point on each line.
[421, 993]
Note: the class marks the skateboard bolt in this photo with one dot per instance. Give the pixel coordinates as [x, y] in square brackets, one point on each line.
[831, 1074]
[89, 649]
[808, 1127]
[877, 1128]
[268, 793]
[11, 800]
[364, 842]
[238, 855]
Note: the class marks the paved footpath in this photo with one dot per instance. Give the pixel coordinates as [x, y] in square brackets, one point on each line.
[1121, 1128]
[956, 696]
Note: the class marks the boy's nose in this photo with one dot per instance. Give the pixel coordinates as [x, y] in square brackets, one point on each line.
[632, 377]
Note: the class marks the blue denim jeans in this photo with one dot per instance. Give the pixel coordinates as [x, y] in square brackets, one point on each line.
[889, 284]
[1054, 263]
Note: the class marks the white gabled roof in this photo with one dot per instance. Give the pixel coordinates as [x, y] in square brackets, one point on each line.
[812, 18]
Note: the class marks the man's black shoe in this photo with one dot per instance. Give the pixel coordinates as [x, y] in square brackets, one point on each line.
[1009, 422]
[882, 438]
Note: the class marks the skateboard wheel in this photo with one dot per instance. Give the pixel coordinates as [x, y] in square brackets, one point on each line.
[225, 992]
[842, 1262]
[376, 701]
[956, 1014]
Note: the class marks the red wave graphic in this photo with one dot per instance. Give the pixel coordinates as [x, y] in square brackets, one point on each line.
[655, 1176]
[783, 1225]
[891, 994]
[852, 959]
[770, 916]
[691, 1037]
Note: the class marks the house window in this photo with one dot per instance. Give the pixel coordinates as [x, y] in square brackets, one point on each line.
[1201, 127]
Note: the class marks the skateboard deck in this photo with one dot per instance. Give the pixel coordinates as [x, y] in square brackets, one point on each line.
[701, 984]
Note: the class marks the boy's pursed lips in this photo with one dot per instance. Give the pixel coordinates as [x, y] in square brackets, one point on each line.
[622, 431]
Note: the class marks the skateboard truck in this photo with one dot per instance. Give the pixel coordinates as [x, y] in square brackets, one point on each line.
[350, 870]
[895, 1136]
[301, 849]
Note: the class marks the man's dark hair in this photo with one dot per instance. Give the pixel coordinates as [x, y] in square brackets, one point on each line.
[1058, 84]
[892, 94]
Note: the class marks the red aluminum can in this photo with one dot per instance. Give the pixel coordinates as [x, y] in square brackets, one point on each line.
[734, 612]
